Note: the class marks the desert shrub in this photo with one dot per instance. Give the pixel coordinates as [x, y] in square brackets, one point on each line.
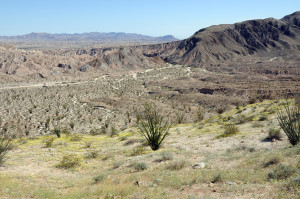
[166, 155]
[116, 165]
[252, 100]
[57, 132]
[99, 178]
[199, 115]
[113, 131]
[180, 117]
[75, 138]
[92, 154]
[217, 178]
[230, 129]
[263, 117]
[271, 161]
[274, 134]
[72, 124]
[49, 141]
[6, 144]
[221, 109]
[65, 131]
[138, 151]
[153, 129]
[47, 122]
[93, 132]
[289, 121]
[140, 166]
[282, 172]
[103, 130]
[293, 184]
[242, 119]
[70, 161]
[177, 165]
[130, 141]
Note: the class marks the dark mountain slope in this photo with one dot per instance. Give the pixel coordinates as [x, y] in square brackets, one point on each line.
[248, 41]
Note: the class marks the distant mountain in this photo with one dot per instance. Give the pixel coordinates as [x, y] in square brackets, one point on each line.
[91, 36]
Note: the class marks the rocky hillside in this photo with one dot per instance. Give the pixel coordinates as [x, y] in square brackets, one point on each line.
[252, 40]
[268, 46]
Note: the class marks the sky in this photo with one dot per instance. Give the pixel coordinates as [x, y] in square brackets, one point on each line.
[180, 18]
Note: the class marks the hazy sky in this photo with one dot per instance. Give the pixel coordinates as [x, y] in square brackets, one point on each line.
[180, 18]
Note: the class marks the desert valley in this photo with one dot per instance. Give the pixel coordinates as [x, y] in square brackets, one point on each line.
[73, 108]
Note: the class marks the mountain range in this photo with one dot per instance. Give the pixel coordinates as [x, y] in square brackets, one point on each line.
[91, 36]
[247, 45]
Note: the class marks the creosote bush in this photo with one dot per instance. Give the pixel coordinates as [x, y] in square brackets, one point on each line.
[6, 144]
[230, 129]
[49, 141]
[99, 178]
[199, 115]
[274, 134]
[177, 165]
[137, 151]
[70, 161]
[57, 132]
[271, 161]
[153, 128]
[289, 121]
[140, 166]
[282, 172]
[92, 154]
[166, 155]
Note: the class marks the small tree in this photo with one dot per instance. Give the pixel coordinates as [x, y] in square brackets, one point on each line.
[289, 121]
[153, 127]
[6, 144]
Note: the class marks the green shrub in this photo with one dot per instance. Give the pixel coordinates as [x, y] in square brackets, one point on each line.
[57, 132]
[140, 166]
[166, 155]
[70, 161]
[65, 131]
[72, 124]
[282, 172]
[113, 131]
[230, 129]
[274, 134]
[137, 151]
[289, 121]
[49, 141]
[92, 154]
[116, 165]
[6, 144]
[217, 178]
[152, 127]
[180, 117]
[99, 178]
[252, 100]
[177, 165]
[293, 184]
[221, 110]
[263, 117]
[271, 161]
[242, 119]
[199, 115]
